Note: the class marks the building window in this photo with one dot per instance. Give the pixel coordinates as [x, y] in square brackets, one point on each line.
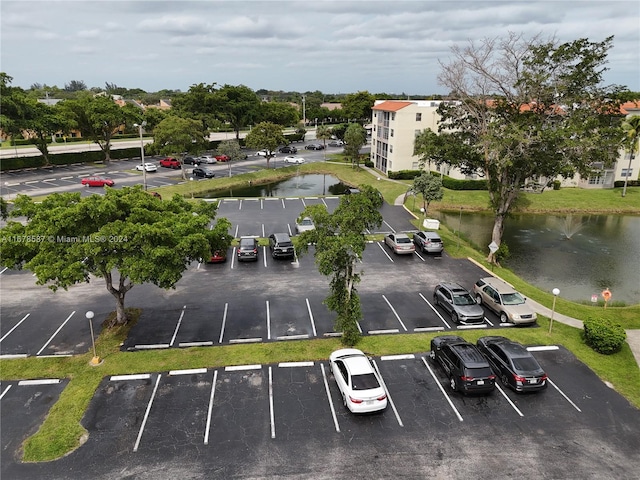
[390, 148]
[418, 117]
[626, 172]
[393, 115]
[417, 132]
[596, 180]
[392, 132]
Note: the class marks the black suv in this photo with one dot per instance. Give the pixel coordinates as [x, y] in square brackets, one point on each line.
[281, 245]
[248, 249]
[288, 149]
[467, 368]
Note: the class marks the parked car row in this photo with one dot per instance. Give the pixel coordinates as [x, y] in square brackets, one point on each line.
[280, 246]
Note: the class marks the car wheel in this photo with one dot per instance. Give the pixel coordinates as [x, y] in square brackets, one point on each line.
[454, 317]
[505, 382]
[504, 318]
[479, 299]
[435, 300]
[452, 382]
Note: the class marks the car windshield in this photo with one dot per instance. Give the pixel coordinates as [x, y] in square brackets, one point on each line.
[512, 298]
[286, 244]
[403, 240]
[246, 243]
[525, 364]
[464, 299]
[364, 382]
[480, 372]
[306, 221]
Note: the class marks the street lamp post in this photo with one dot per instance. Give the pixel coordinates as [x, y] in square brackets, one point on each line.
[95, 360]
[555, 292]
[144, 170]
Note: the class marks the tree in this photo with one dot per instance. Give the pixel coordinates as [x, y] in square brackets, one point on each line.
[265, 136]
[430, 148]
[339, 243]
[4, 209]
[358, 106]
[13, 105]
[323, 132]
[230, 148]
[279, 113]
[528, 109]
[200, 103]
[44, 122]
[153, 116]
[631, 128]
[99, 118]
[430, 187]
[75, 86]
[126, 237]
[238, 105]
[355, 136]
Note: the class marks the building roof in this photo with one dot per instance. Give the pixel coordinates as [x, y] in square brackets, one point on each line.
[391, 105]
[630, 107]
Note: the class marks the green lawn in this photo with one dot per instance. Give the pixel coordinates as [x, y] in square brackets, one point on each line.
[61, 432]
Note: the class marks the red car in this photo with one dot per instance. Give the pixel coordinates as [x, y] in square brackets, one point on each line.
[170, 163]
[97, 182]
[218, 257]
[222, 158]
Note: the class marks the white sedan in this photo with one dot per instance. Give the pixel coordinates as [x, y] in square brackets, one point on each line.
[264, 153]
[149, 167]
[291, 159]
[358, 381]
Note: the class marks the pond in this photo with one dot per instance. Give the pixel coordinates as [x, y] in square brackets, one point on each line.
[579, 254]
[298, 186]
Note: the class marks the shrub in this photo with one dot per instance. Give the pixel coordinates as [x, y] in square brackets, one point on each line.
[603, 335]
[454, 184]
[556, 184]
[404, 174]
[630, 183]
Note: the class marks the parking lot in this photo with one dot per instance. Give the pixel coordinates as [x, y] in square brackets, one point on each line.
[260, 421]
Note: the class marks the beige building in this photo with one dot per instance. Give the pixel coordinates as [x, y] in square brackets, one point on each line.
[395, 124]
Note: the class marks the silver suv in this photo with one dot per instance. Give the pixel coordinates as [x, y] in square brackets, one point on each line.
[281, 245]
[504, 300]
[459, 303]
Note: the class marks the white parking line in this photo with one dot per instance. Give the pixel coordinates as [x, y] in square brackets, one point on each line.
[543, 348]
[4, 270]
[55, 333]
[562, 393]
[471, 327]
[313, 324]
[242, 368]
[246, 340]
[268, 322]
[44, 381]
[273, 423]
[175, 333]
[236, 234]
[326, 387]
[14, 327]
[359, 327]
[66, 178]
[509, 400]
[385, 252]
[283, 206]
[224, 321]
[293, 337]
[398, 357]
[488, 321]
[389, 226]
[433, 308]
[424, 360]
[240, 205]
[295, 364]
[333, 334]
[152, 346]
[393, 405]
[146, 414]
[394, 312]
[139, 376]
[195, 344]
[383, 332]
[325, 204]
[30, 182]
[304, 204]
[49, 180]
[188, 371]
[210, 410]
[5, 391]
[428, 329]
[290, 232]
[264, 256]
[233, 257]
[12, 356]
[263, 235]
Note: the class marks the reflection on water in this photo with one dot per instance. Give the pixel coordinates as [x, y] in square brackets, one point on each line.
[299, 186]
[581, 254]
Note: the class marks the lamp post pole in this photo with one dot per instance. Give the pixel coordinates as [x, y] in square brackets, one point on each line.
[95, 360]
[555, 292]
[144, 170]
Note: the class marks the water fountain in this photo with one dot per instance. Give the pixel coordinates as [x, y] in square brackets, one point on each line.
[570, 226]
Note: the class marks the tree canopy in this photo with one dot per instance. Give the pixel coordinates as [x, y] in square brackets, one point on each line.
[339, 243]
[355, 137]
[238, 105]
[527, 110]
[357, 106]
[430, 187]
[265, 136]
[126, 237]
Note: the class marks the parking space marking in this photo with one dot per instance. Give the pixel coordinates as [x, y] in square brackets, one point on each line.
[563, 394]
[15, 326]
[385, 252]
[325, 204]
[389, 226]
[235, 235]
[507, 325]
[136, 376]
[419, 256]
[187, 371]
[509, 400]
[210, 410]
[293, 337]
[290, 232]
[471, 327]
[313, 324]
[224, 321]
[359, 327]
[434, 309]
[543, 348]
[146, 414]
[488, 321]
[263, 235]
[30, 182]
[264, 256]
[410, 356]
[394, 312]
[55, 333]
[43, 381]
[295, 364]
[384, 385]
[152, 346]
[428, 329]
[424, 360]
[332, 334]
[383, 332]
[246, 340]
[283, 206]
[271, 412]
[195, 344]
[4, 270]
[175, 333]
[240, 205]
[66, 178]
[5, 391]
[326, 387]
[13, 355]
[268, 322]
[241, 368]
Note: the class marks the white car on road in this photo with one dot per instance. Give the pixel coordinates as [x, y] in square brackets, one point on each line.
[264, 153]
[292, 159]
[358, 381]
[149, 167]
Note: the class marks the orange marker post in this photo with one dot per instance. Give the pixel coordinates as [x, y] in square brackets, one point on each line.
[606, 294]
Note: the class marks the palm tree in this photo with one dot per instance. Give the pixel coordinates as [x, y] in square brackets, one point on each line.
[323, 132]
[631, 126]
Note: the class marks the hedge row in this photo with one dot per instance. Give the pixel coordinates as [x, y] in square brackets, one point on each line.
[447, 182]
[603, 335]
[630, 183]
[66, 158]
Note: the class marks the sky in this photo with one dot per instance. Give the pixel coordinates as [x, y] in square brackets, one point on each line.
[303, 45]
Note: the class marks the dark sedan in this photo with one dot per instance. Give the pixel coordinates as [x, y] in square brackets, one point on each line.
[202, 172]
[513, 363]
[191, 160]
[314, 146]
[288, 149]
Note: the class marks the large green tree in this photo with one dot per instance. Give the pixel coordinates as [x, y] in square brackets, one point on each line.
[238, 105]
[528, 109]
[125, 237]
[279, 113]
[339, 241]
[430, 187]
[265, 136]
[200, 103]
[357, 106]
[323, 132]
[355, 137]
[631, 128]
[230, 148]
[44, 122]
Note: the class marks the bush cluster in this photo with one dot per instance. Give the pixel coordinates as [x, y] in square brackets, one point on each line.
[603, 335]
[454, 184]
[630, 183]
[404, 174]
[67, 158]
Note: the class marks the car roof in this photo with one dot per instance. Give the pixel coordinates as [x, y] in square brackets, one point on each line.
[452, 286]
[428, 233]
[500, 285]
[401, 235]
[469, 353]
[356, 361]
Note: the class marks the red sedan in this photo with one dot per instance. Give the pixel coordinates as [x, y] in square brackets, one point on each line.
[222, 158]
[97, 182]
[170, 162]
